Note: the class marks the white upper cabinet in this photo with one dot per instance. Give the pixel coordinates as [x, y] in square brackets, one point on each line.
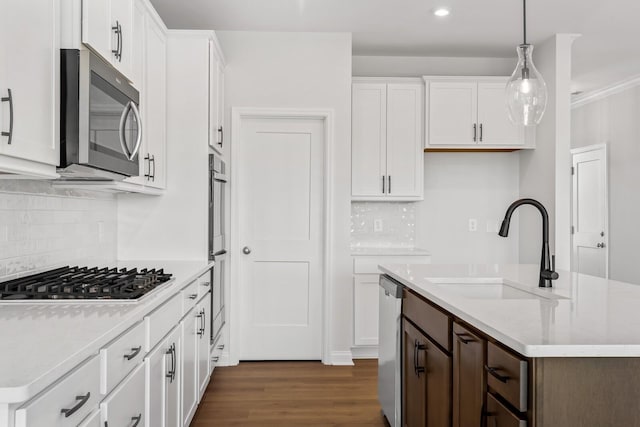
[107, 28]
[387, 147]
[216, 99]
[29, 87]
[470, 113]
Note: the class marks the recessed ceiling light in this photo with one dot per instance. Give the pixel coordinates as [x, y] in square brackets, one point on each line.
[441, 12]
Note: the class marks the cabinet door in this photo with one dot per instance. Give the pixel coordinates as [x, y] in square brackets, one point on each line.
[155, 118]
[125, 406]
[172, 385]
[369, 139]
[96, 27]
[453, 108]
[495, 128]
[468, 377]
[405, 156]
[223, 143]
[365, 310]
[190, 326]
[427, 381]
[157, 370]
[122, 13]
[214, 93]
[29, 68]
[414, 383]
[204, 345]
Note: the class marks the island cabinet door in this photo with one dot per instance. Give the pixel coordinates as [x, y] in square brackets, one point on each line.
[468, 377]
[426, 381]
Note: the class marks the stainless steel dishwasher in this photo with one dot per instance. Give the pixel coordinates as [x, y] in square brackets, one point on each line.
[389, 351]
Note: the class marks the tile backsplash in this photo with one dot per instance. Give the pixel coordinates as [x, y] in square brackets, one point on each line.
[43, 227]
[383, 225]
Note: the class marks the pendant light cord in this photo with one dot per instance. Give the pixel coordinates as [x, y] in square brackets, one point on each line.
[524, 20]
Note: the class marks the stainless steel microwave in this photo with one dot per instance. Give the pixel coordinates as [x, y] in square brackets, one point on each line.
[100, 125]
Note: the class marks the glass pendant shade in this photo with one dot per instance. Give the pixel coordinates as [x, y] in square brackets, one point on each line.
[526, 90]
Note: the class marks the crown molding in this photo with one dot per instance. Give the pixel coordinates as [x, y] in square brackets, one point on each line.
[595, 95]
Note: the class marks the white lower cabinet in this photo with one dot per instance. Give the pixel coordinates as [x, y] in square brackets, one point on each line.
[67, 402]
[204, 338]
[164, 376]
[189, 327]
[125, 406]
[93, 420]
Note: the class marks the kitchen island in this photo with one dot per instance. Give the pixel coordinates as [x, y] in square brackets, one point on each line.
[487, 345]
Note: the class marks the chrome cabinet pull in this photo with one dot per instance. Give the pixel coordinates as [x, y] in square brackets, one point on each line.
[221, 132]
[480, 132]
[493, 372]
[153, 160]
[417, 347]
[389, 186]
[117, 30]
[200, 316]
[193, 296]
[172, 371]
[134, 352]
[9, 99]
[475, 132]
[81, 401]
[121, 43]
[147, 160]
[383, 184]
[136, 419]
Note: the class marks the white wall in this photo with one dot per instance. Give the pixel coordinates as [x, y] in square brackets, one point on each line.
[304, 70]
[544, 172]
[42, 227]
[614, 121]
[416, 66]
[462, 186]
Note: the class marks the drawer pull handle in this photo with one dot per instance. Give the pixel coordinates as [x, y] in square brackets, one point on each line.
[136, 419]
[193, 296]
[215, 359]
[134, 352]
[463, 338]
[493, 372]
[417, 347]
[221, 347]
[81, 401]
[206, 284]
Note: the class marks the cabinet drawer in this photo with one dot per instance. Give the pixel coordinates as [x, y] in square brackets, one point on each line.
[190, 296]
[160, 321]
[77, 394]
[369, 264]
[428, 318]
[125, 405]
[92, 420]
[499, 415]
[507, 376]
[120, 356]
[205, 284]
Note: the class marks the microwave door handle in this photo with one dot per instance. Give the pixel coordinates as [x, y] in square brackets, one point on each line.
[123, 136]
[136, 113]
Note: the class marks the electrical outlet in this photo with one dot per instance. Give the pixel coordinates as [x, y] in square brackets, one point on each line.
[377, 225]
[473, 224]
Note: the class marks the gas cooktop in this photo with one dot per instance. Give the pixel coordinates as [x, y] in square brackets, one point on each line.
[84, 283]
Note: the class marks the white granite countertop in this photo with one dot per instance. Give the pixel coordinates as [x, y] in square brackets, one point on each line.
[581, 316]
[381, 251]
[41, 341]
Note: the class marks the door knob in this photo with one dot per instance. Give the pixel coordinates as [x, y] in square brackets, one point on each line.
[246, 250]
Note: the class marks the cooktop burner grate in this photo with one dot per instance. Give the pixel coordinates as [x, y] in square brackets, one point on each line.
[84, 283]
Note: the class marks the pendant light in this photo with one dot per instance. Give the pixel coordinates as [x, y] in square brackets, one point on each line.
[526, 90]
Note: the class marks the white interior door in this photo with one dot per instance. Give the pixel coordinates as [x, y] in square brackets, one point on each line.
[590, 254]
[280, 192]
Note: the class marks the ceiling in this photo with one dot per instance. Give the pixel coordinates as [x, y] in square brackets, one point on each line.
[608, 51]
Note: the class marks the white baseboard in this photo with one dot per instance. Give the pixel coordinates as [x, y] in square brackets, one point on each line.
[225, 360]
[365, 352]
[343, 358]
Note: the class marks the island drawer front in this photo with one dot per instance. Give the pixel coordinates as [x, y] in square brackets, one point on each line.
[78, 394]
[369, 264]
[205, 284]
[120, 356]
[507, 376]
[125, 406]
[428, 318]
[190, 296]
[160, 321]
[501, 415]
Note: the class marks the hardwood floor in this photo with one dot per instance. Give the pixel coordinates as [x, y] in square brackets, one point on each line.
[292, 394]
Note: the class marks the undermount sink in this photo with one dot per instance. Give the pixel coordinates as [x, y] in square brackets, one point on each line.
[487, 290]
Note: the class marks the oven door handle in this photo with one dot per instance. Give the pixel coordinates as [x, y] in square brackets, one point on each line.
[131, 106]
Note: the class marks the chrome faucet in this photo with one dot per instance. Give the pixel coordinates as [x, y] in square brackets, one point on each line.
[547, 270]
